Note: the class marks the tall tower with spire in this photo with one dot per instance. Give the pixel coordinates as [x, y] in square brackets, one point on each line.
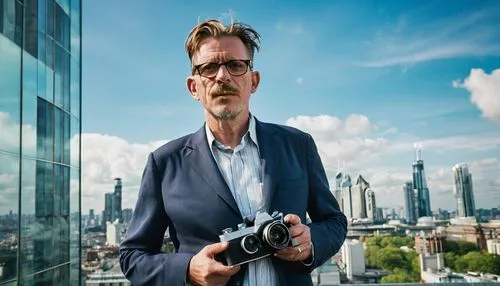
[420, 185]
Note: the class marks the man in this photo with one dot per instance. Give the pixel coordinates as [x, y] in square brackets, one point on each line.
[233, 166]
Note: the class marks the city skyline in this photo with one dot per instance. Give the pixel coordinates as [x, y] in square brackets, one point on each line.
[402, 73]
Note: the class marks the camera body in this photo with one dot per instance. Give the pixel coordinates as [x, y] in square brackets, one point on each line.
[257, 237]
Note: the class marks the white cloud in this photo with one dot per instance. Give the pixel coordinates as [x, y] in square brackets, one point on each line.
[484, 91]
[326, 127]
[478, 142]
[416, 41]
[356, 141]
[106, 157]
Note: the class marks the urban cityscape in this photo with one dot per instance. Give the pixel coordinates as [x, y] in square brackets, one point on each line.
[57, 229]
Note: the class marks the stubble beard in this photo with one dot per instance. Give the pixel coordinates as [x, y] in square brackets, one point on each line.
[222, 113]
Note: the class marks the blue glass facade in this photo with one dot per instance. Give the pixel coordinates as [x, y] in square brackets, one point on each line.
[40, 113]
[463, 190]
[409, 195]
[421, 190]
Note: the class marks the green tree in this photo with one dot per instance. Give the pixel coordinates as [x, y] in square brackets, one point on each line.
[397, 241]
[461, 265]
[371, 255]
[374, 241]
[461, 247]
[391, 258]
[399, 276]
[449, 259]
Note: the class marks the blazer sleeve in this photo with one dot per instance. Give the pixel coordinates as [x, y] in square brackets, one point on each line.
[141, 258]
[328, 224]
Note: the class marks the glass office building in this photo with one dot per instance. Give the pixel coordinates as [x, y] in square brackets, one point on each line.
[40, 111]
[421, 189]
[464, 191]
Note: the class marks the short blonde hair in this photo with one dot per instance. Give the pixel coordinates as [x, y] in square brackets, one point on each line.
[214, 28]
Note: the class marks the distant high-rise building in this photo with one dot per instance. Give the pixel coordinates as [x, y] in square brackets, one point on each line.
[40, 139]
[420, 187]
[410, 202]
[347, 197]
[118, 200]
[109, 204]
[127, 215]
[371, 205]
[359, 197]
[338, 190]
[91, 214]
[113, 204]
[463, 191]
[380, 214]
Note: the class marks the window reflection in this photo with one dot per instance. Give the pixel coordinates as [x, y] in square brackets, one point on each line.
[9, 191]
[29, 108]
[45, 130]
[31, 27]
[10, 71]
[74, 210]
[74, 142]
[29, 226]
[75, 88]
[62, 29]
[11, 20]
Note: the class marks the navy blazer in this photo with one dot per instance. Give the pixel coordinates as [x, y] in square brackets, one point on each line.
[183, 189]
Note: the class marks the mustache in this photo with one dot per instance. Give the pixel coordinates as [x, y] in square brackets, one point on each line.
[224, 88]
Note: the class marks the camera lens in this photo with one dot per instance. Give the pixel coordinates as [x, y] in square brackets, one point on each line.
[277, 235]
[250, 244]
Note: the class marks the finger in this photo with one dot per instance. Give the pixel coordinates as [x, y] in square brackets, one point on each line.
[223, 270]
[297, 230]
[212, 249]
[293, 219]
[300, 252]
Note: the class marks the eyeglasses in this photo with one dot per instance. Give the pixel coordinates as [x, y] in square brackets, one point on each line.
[234, 67]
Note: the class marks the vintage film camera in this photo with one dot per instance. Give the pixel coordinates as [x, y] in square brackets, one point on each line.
[257, 237]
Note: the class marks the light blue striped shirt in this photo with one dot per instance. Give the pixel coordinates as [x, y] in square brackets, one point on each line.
[242, 170]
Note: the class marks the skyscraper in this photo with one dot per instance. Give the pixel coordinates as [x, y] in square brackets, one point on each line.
[118, 200]
[420, 187]
[371, 205]
[109, 206]
[40, 113]
[463, 191]
[346, 187]
[359, 197]
[410, 202]
[113, 204]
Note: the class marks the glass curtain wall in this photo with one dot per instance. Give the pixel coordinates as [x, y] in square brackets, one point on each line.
[40, 123]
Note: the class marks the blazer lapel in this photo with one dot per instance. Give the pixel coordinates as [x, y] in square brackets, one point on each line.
[202, 161]
[269, 158]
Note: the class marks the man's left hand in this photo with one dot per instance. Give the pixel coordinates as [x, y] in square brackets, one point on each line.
[302, 235]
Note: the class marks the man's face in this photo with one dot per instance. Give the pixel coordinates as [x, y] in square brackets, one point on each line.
[224, 96]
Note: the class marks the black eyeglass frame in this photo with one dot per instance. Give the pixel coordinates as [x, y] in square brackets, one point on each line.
[196, 68]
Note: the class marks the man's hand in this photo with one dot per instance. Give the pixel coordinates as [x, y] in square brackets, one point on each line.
[204, 270]
[302, 235]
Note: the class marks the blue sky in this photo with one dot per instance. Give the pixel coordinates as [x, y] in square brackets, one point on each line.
[367, 79]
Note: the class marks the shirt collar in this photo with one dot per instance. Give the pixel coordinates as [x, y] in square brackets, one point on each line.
[251, 130]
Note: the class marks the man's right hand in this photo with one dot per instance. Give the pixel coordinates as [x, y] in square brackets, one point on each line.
[204, 270]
